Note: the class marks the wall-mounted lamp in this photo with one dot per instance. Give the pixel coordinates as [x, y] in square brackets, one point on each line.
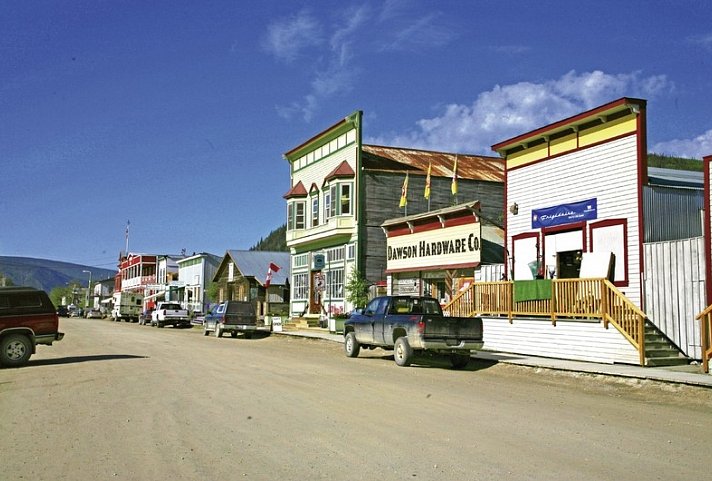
[514, 208]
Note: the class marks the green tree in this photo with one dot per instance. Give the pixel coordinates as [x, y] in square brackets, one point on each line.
[66, 292]
[213, 291]
[5, 281]
[357, 289]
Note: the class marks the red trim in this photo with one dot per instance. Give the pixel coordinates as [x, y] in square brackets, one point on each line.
[642, 180]
[708, 226]
[565, 122]
[320, 134]
[577, 149]
[427, 227]
[455, 221]
[611, 223]
[398, 232]
[467, 265]
[505, 222]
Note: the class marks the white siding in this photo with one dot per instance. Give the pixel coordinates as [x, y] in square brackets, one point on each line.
[576, 340]
[675, 290]
[607, 172]
[314, 173]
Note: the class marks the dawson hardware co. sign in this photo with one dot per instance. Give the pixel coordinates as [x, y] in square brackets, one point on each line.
[449, 246]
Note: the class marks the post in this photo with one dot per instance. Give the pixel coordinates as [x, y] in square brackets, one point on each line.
[86, 301]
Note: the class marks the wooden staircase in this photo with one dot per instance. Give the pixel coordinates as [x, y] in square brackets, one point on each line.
[301, 323]
[659, 351]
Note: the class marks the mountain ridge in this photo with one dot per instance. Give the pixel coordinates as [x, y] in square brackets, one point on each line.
[46, 274]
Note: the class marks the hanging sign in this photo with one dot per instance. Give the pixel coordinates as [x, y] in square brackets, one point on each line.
[565, 214]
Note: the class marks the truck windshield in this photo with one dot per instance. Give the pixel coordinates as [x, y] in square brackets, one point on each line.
[171, 306]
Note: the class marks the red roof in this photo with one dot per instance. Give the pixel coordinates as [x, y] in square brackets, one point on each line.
[342, 170]
[296, 191]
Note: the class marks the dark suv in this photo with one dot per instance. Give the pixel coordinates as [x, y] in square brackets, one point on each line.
[27, 318]
[233, 317]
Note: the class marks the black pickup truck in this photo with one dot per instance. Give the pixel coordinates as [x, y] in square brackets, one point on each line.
[410, 326]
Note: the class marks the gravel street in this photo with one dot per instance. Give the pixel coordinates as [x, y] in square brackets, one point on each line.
[119, 401]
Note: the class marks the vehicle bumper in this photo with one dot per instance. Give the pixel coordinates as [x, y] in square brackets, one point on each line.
[48, 339]
[443, 345]
[244, 328]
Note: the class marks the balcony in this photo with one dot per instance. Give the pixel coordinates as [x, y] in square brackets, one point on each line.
[335, 227]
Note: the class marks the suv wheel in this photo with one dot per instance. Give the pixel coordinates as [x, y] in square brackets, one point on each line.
[15, 350]
[218, 330]
[351, 345]
[402, 352]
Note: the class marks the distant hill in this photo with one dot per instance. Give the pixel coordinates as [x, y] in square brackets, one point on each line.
[47, 274]
[275, 241]
[677, 163]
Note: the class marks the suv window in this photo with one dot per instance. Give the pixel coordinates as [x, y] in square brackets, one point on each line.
[244, 308]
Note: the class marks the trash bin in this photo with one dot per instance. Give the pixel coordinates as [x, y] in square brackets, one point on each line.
[339, 325]
[332, 324]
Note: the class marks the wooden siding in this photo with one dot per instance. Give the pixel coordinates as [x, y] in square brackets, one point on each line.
[607, 172]
[381, 196]
[674, 283]
[576, 340]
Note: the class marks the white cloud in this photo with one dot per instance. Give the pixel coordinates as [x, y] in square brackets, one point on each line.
[696, 148]
[288, 37]
[332, 58]
[510, 110]
[705, 41]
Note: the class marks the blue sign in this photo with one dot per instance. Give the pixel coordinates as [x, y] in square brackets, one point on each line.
[565, 214]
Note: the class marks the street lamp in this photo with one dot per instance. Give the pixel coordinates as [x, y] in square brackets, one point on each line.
[86, 302]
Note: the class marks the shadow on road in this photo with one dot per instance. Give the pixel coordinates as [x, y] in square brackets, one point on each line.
[76, 359]
[437, 362]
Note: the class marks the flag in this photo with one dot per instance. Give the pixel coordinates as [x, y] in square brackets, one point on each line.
[426, 194]
[272, 268]
[453, 187]
[404, 193]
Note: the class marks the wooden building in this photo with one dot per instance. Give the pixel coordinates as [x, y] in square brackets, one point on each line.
[342, 190]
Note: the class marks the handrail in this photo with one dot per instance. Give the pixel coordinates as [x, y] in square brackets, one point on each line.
[570, 298]
[705, 318]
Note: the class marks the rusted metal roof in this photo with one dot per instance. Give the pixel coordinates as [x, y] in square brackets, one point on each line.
[396, 159]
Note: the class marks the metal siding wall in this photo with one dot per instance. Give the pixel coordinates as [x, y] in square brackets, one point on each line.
[607, 172]
[672, 213]
[675, 290]
[382, 196]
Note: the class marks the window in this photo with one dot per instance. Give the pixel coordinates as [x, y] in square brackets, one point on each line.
[290, 215]
[350, 251]
[300, 287]
[612, 235]
[335, 283]
[315, 211]
[333, 197]
[327, 202]
[299, 215]
[336, 254]
[345, 199]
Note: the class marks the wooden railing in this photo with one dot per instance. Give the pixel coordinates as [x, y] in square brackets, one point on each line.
[705, 318]
[570, 298]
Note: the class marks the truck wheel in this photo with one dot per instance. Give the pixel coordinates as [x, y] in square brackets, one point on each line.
[205, 329]
[402, 352]
[248, 335]
[351, 345]
[159, 324]
[458, 361]
[15, 350]
[233, 334]
[218, 330]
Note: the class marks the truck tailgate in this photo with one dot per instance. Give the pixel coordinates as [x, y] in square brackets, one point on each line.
[452, 329]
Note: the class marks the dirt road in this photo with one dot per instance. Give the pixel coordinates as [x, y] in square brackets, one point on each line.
[121, 401]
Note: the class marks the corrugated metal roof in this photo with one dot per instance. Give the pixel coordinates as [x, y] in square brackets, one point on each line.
[676, 178]
[473, 167]
[255, 264]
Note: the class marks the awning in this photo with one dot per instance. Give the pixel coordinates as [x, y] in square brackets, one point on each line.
[157, 295]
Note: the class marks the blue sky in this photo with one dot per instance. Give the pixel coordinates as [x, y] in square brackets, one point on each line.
[175, 114]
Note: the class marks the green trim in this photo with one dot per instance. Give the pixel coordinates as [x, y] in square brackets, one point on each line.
[352, 121]
[323, 158]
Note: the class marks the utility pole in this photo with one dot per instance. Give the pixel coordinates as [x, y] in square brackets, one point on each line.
[86, 302]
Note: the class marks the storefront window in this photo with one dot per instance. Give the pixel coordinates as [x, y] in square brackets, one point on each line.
[300, 286]
[335, 283]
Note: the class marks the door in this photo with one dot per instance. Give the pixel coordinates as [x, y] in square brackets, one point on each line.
[316, 291]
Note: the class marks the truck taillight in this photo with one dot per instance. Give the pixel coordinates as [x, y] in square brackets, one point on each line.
[421, 326]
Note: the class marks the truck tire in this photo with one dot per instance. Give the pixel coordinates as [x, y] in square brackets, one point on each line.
[459, 361]
[402, 352]
[233, 334]
[218, 330]
[351, 345]
[205, 329]
[15, 350]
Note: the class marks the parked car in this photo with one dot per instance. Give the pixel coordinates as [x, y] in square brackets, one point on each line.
[62, 311]
[94, 314]
[411, 326]
[27, 318]
[76, 312]
[233, 317]
[170, 313]
[197, 318]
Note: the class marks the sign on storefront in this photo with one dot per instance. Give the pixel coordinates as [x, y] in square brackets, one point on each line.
[448, 246]
[565, 214]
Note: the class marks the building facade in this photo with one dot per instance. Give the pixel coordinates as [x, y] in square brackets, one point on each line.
[341, 191]
[195, 272]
